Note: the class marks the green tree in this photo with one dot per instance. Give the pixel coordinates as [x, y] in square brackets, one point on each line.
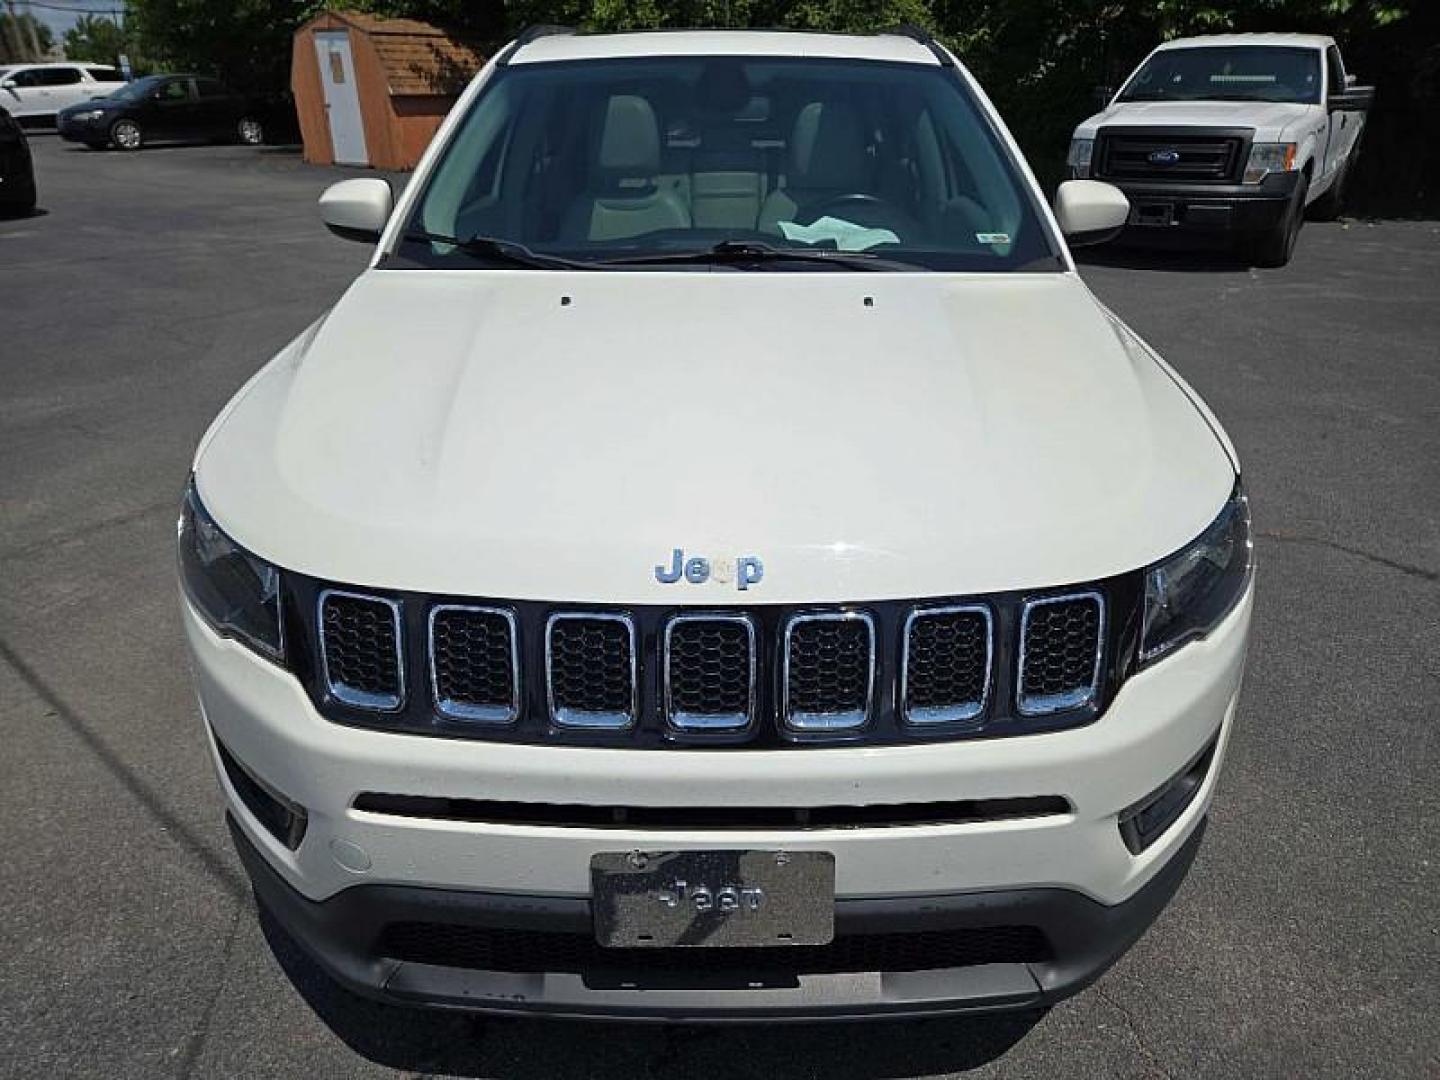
[23, 37]
[96, 38]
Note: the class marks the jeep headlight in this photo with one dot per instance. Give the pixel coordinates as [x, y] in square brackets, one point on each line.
[1269, 157]
[1079, 158]
[1188, 594]
[238, 594]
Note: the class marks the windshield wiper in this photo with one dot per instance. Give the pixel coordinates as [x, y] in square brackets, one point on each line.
[747, 251]
[506, 251]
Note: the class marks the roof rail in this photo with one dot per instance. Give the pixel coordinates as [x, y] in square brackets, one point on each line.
[529, 34]
[924, 37]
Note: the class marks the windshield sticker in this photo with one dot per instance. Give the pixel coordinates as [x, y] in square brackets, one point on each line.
[992, 237]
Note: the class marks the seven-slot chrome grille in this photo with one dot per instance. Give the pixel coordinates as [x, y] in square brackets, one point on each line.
[767, 675]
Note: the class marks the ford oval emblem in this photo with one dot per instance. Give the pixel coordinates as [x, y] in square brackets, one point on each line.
[1164, 157]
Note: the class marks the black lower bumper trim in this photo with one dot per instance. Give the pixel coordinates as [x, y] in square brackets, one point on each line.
[1218, 209]
[347, 935]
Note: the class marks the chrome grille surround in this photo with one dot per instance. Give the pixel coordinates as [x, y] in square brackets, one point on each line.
[817, 721]
[1082, 695]
[568, 716]
[461, 710]
[701, 721]
[960, 712]
[354, 696]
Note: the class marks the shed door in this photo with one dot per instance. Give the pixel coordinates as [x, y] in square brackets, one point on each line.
[342, 100]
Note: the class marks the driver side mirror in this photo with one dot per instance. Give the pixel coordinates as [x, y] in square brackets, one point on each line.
[357, 209]
[1090, 212]
[8, 84]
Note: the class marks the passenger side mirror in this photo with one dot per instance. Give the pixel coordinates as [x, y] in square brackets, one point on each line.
[1090, 212]
[8, 84]
[357, 209]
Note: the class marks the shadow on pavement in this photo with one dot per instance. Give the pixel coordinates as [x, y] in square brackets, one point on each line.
[461, 1044]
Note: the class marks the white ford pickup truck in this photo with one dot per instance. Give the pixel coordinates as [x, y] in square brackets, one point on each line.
[1234, 135]
[718, 561]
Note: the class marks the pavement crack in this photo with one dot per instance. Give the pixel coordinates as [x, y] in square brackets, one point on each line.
[1360, 553]
[177, 829]
[1133, 1029]
[128, 517]
[195, 1044]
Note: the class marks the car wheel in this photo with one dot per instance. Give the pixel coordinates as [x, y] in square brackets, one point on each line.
[23, 206]
[1327, 206]
[1275, 247]
[250, 131]
[126, 134]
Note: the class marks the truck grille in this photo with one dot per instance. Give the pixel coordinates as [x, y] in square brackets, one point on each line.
[360, 649]
[710, 672]
[768, 676]
[1060, 652]
[474, 665]
[1145, 154]
[829, 671]
[590, 664]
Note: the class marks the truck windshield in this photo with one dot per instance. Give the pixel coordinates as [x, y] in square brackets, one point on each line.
[1228, 73]
[610, 163]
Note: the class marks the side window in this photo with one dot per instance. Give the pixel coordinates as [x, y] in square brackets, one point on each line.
[59, 76]
[1335, 70]
[179, 90]
[28, 77]
[103, 74]
[211, 88]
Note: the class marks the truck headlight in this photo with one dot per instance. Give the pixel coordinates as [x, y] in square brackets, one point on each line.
[1188, 594]
[1079, 158]
[238, 594]
[1268, 157]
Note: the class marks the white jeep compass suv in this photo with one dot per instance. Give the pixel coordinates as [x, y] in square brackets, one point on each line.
[719, 561]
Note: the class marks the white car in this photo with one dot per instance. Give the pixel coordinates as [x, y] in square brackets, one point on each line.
[1233, 135]
[39, 91]
[719, 560]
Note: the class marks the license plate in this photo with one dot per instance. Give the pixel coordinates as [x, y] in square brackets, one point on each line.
[735, 899]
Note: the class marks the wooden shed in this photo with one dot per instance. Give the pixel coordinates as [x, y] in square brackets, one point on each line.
[372, 91]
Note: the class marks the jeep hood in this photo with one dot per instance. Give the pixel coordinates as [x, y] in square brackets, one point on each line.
[533, 435]
[1269, 119]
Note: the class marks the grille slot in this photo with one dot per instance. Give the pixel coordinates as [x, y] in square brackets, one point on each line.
[360, 650]
[474, 663]
[1200, 157]
[709, 672]
[491, 949]
[1061, 641]
[829, 671]
[591, 670]
[945, 676]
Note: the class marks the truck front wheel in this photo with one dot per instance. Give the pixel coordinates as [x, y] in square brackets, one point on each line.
[1274, 247]
[1327, 206]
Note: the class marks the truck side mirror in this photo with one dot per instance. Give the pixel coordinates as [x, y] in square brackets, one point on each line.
[357, 209]
[1090, 212]
[1350, 80]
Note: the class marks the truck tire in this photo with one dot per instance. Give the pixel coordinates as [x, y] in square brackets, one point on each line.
[1327, 206]
[1275, 247]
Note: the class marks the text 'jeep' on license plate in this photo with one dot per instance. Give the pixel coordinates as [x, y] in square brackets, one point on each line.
[739, 899]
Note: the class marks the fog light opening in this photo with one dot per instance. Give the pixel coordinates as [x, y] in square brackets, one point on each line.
[1146, 821]
[282, 818]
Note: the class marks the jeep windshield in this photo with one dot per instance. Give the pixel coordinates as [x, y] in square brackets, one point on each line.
[744, 164]
[1228, 73]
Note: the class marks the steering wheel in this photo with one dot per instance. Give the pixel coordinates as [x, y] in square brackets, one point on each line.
[836, 202]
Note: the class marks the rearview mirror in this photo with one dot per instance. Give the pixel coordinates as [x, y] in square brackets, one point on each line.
[1090, 212]
[357, 209]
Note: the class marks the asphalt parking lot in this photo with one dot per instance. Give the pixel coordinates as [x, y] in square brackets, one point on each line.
[153, 284]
